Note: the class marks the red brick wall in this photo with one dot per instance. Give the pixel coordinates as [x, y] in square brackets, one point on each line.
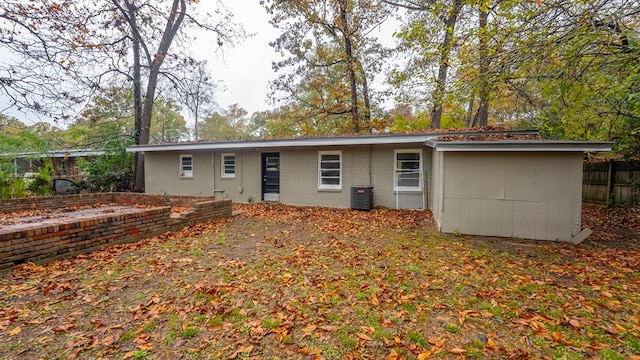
[41, 243]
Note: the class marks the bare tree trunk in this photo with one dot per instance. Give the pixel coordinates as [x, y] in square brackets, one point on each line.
[482, 116]
[365, 95]
[195, 127]
[173, 25]
[441, 82]
[350, 64]
[137, 105]
[469, 115]
[137, 93]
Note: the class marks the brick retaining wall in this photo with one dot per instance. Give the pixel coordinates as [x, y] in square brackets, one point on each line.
[45, 242]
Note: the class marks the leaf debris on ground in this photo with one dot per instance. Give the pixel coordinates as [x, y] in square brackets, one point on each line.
[313, 283]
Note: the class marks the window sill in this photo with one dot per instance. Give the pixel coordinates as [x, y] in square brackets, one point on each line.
[395, 191]
[330, 190]
[227, 177]
[186, 177]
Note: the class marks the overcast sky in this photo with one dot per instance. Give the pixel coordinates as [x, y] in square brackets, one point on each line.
[245, 69]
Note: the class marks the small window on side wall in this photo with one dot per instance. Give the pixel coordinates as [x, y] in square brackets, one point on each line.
[228, 165]
[186, 166]
[330, 170]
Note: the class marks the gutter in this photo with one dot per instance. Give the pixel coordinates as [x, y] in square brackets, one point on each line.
[520, 146]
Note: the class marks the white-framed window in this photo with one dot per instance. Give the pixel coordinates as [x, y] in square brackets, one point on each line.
[62, 167]
[329, 169]
[408, 170]
[228, 163]
[186, 166]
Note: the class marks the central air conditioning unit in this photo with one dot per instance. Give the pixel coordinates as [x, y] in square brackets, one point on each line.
[362, 197]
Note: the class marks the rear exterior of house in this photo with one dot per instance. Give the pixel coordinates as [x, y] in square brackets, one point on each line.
[529, 189]
[313, 176]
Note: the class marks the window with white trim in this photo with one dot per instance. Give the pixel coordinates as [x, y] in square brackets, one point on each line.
[329, 169]
[408, 170]
[228, 163]
[186, 166]
[62, 167]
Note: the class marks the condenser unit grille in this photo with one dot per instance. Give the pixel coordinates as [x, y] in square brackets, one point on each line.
[362, 197]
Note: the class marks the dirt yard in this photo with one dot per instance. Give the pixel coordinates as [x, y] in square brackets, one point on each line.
[281, 282]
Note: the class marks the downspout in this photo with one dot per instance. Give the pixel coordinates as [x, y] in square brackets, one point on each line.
[441, 185]
[213, 175]
[241, 172]
[370, 164]
[425, 183]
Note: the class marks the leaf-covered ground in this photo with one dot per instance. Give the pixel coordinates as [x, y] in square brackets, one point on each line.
[280, 282]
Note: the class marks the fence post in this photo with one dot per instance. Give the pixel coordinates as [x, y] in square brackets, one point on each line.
[611, 196]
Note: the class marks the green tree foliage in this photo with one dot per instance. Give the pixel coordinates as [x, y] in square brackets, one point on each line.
[112, 171]
[22, 141]
[35, 184]
[432, 22]
[111, 114]
[40, 184]
[567, 67]
[275, 124]
[10, 126]
[329, 60]
[168, 124]
[229, 124]
[17, 139]
[592, 86]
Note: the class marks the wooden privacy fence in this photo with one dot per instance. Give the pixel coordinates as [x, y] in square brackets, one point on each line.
[614, 182]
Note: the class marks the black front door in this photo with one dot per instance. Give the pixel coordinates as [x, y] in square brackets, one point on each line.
[271, 176]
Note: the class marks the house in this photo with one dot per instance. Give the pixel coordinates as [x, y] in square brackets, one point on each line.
[494, 183]
[64, 162]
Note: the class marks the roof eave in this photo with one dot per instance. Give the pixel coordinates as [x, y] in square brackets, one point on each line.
[261, 144]
[521, 146]
[56, 153]
[307, 142]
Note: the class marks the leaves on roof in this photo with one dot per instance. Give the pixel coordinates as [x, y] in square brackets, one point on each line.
[488, 137]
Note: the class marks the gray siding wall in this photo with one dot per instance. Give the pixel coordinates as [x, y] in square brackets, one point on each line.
[361, 165]
[527, 195]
